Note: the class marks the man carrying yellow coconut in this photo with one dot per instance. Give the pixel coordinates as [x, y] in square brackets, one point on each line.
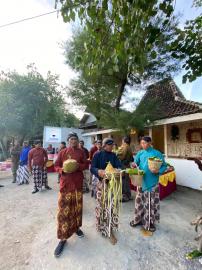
[70, 164]
[107, 217]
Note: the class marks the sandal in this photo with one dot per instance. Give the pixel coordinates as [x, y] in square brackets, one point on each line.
[133, 224]
[152, 228]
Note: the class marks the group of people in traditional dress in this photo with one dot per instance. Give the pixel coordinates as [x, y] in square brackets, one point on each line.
[90, 169]
[70, 203]
[28, 160]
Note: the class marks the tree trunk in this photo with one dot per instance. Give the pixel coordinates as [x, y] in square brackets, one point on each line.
[21, 139]
[3, 147]
[120, 93]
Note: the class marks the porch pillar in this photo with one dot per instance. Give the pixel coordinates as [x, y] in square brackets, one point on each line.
[165, 140]
[150, 132]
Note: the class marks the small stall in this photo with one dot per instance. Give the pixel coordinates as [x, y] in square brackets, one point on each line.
[5, 169]
[167, 184]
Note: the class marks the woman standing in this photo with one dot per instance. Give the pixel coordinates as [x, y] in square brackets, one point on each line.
[147, 202]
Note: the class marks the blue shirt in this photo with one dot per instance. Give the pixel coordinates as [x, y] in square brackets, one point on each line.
[150, 179]
[101, 159]
[24, 155]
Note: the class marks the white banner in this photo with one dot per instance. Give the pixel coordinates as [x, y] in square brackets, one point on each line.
[53, 135]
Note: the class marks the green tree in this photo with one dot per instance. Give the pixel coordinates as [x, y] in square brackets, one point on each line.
[197, 3]
[126, 40]
[135, 32]
[28, 102]
[187, 46]
[103, 91]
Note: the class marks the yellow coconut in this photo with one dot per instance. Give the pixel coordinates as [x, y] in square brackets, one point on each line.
[70, 165]
[110, 168]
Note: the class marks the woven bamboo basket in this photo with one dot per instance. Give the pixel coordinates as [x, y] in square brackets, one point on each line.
[136, 180]
[49, 163]
[154, 165]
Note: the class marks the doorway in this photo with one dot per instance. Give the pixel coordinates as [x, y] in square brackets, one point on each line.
[158, 138]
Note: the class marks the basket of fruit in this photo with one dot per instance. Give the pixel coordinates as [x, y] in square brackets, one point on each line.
[136, 176]
[154, 163]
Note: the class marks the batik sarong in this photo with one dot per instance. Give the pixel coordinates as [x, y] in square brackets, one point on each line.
[39, 176]
[69, 213]
[86, 180]
[95, 181]
[107, 219]
[14, 168]
[147, 207]
[22, 175]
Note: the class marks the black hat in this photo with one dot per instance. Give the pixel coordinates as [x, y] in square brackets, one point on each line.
[108, 141]
[71, 135]
[64, 143]
[146, 139]
[127, 139]
[37, 142]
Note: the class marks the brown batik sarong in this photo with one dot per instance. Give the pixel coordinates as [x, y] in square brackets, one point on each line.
[106, 218]
[147, 207]
[69, 213]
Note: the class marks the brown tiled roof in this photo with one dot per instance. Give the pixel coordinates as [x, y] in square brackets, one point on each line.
[169, 100]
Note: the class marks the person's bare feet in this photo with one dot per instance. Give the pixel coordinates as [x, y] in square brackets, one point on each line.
[113, 239]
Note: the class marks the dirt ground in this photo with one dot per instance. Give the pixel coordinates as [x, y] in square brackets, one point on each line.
[28, 234]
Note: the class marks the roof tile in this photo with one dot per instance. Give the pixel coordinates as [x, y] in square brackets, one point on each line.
[170, 99]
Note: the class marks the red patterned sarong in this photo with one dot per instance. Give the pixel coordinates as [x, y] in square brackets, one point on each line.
[69, 214]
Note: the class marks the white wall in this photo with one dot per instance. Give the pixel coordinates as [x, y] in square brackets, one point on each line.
[64, 134]
[187, 172]
[87, 142]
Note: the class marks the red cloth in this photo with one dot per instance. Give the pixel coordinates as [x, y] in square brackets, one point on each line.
[71, 181]
[92, 152]
[166, 191]
[51, 169]
[37, 157]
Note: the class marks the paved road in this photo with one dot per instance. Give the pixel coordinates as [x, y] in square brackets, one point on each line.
[28, 234]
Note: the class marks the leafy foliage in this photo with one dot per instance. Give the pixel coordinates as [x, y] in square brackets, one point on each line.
[101, 91]
[126, 43]
[188, 47]
[125, 121]
[122, 42]
[28, 102]
[135, 34]
[197, 3]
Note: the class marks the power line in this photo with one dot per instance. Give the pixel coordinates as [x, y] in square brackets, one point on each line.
[26, 19]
